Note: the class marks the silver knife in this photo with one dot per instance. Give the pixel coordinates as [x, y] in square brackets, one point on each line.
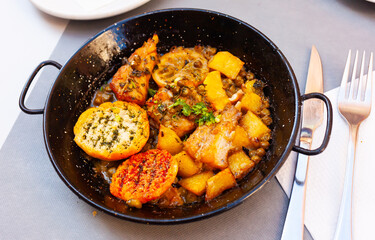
[312, 117]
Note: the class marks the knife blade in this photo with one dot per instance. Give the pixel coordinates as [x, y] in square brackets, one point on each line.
[312, 117]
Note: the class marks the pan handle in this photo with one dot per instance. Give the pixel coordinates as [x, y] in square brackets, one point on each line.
[327, 134]
[27, 85]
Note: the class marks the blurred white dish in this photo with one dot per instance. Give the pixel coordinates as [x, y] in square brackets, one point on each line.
[86, 9]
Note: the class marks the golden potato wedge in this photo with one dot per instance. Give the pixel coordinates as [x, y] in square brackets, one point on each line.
[186, 165]
[169, 141]
[241, 139]
[251, 102]
[214, 90]
[197, 183]
[219, 183]
[253, 125]
[248, 87]
[240, 164]
[226, 63]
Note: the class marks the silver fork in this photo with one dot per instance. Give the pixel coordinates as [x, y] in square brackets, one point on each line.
[354, 104]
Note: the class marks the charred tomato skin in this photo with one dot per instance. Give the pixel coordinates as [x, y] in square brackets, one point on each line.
[144, 176]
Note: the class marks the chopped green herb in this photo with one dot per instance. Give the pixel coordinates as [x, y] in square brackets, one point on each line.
[151, 92]
[185, 138]
[199, 109]
[186, 109]
[206, 118]
[205, 115]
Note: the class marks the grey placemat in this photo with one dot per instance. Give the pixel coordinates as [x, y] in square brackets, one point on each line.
[35, 204]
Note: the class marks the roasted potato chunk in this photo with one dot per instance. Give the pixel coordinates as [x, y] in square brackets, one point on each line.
[219, 183]
[214, 90]
[168, 140]
[197, 183]
[240, 164]
[241, 139]
[254, 126]
[248, 87]
[251, 102]
[226, 63]
[186, 165]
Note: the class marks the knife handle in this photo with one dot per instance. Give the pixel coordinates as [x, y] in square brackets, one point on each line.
[294, 222]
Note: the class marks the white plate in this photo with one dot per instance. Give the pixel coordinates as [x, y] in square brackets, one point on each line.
[86, 9]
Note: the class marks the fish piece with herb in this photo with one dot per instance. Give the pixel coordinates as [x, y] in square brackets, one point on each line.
[211, 143]
[131, 81]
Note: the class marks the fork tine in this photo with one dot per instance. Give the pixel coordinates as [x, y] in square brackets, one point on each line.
[344, 81]
[362, 81]
[368, 97]
[354, 82]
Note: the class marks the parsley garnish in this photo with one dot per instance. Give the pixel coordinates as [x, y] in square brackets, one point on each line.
[151, 92]
[186, 109]
[199, 109]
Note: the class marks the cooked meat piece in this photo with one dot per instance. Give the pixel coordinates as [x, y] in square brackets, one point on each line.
[210, 144]
[145, 176]
[158, 108]
[131, 81]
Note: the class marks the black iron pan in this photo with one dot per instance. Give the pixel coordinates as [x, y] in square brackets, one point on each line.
[97, 60]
